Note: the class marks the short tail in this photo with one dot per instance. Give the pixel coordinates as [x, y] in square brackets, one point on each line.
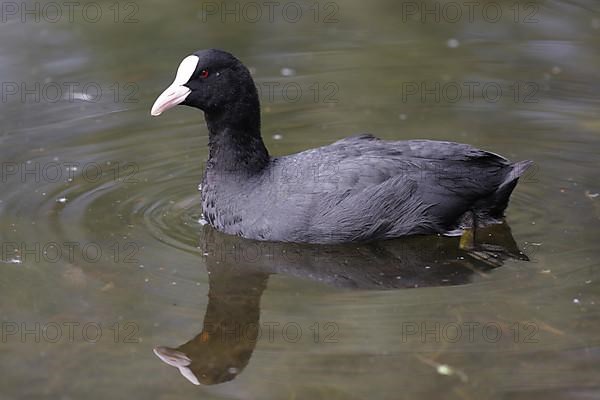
[518, 169]
[499, 200]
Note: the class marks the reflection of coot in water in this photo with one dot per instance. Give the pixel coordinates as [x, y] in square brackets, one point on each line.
[239, 270]
[229, 332]
[402, 263]
[378, 189]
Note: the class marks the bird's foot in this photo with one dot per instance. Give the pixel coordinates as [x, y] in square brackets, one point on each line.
[467, 239]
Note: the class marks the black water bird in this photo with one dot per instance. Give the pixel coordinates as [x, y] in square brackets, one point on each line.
[357, 189]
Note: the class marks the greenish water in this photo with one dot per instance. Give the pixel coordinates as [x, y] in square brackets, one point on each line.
[87, 173]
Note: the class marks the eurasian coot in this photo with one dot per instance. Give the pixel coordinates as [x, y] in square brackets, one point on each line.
[357, 189]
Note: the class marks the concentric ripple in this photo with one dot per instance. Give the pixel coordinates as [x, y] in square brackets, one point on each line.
[129, 188]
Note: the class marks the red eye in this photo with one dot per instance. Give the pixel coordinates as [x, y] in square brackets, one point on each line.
[204, 74]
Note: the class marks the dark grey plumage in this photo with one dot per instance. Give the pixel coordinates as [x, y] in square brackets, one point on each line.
[362, 188]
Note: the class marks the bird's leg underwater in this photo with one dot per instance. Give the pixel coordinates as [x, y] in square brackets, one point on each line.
[467, 239]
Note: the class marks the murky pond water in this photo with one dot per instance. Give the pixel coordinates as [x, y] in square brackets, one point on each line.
[104, 258]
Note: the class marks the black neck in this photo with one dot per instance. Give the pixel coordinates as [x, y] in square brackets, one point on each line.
[235, 143]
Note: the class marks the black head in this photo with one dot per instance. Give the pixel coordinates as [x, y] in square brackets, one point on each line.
[211, 80]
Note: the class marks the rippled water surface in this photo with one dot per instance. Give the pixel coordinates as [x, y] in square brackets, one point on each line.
[104, 257]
